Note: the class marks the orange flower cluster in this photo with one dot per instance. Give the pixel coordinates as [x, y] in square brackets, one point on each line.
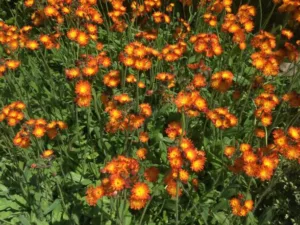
[265, 103]
[288, 145]
[112, 78]
[264, 41]
[58, 9]
[293, 98]
[50, 41]
[119, 10]
[291, 51]
[12, 38]
[38, 128]
[241, 207]
[191, 102]
[122, 121]
[83, 90]
[160, 17]
[166, 77]
[136, 55]
[79, 36]
[259, 163]
[88, 13]
[207, 43]
[214, 9]
[12, 113]
[176, 155]
[210, 19]
[222, 81]
[221, 118]
[239, 24]
[171, 53]
[265, 60]
[150, 35]
[141, 8]
[139, 195]
[182, 31]
[174, 130]
[291, 7]
[88, 68]
[219, 5]
[55, 9]
[122, 98]
[199, 66]
[122, 174]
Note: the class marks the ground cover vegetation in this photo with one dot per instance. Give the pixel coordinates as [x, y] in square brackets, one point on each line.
[149, 112]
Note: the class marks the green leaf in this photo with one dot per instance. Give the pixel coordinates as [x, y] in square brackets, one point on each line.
[79, 178]
[221, 218]
[5, 204]
[24, 220]
[19, 199]
[251, 220]
[5, 215]
[55, 204]
[3, 188]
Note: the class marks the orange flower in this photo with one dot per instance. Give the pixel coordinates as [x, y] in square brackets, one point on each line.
[141, 153]
[222, 81]
[183, 175]
[91, 200]
[260, 133]
[287, 33]
[137, 204]
[83, 101]
[199, 81]
[151, 174]
[89, 71]
[145, 109]
[47, 154]
[229, 151]
[32, 44]
[123, 98]
[98, 192]
[72, 34]
[117, 183]
[140, 191]
[191, 154]
[173, 190]
[144, 137]
[173, 130]
[72, 73]
[82, 38]
[130, 78]
[12, 64]
[264, 173]
[83, 88]
[39, 131]
[183, 100]
[198, 164]
[207, 43]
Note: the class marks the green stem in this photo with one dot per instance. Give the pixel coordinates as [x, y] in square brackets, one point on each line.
[144, 211]
[177, 202]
